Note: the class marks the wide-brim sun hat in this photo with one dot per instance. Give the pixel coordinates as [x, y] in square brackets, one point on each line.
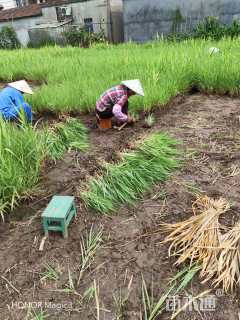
[22, 86]
[135, 86]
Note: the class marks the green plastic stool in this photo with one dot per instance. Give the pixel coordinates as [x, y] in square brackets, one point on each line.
[58, 214]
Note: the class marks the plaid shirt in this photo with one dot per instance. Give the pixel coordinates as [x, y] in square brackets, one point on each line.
[114, 98]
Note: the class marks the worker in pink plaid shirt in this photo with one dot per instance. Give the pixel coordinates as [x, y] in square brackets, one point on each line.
[114, 102]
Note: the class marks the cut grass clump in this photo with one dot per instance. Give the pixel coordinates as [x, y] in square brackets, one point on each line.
[199, 237]
[149, 121]
[125, 182]
[203, 239]
[228, 267]
[65, 136]
[22, 151]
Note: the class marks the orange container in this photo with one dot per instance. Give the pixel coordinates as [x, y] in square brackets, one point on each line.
[105, 123]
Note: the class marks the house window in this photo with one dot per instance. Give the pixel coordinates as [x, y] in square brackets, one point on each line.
[88, 24]
[64, 13]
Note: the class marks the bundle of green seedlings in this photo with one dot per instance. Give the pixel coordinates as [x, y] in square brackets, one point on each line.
[126, 181]
[149, 121]
[65, 136]
[203, 239]
[22, 152]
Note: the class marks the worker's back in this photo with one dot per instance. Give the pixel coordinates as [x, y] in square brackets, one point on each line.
[9, 100]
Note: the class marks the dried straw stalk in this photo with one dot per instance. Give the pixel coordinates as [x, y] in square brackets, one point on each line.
[228, 267]
[199, 237]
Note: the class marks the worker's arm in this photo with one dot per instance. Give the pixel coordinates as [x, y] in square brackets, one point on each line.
[118, 114]
[117, 110]
[27, 110]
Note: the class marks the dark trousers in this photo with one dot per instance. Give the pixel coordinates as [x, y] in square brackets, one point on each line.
[106, 114]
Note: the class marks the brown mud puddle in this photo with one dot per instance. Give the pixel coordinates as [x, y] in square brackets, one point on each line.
[209, 127]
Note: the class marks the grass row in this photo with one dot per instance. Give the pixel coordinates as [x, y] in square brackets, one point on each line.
[126, 181]
[23, 151]
[65, 136]
[77, 76]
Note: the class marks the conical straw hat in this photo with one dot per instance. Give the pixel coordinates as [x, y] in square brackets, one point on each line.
[22, 86]
[134, 85]
[213, 50]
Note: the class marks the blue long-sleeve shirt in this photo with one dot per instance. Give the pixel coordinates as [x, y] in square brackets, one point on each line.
[11, 103]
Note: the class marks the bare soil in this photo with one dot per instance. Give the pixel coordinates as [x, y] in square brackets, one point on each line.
[208, 127]
[33, 83]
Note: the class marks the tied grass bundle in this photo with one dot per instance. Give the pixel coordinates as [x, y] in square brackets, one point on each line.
[199, 237]
[65, 136]
[228, 267]
[22, 151]
[126, 181]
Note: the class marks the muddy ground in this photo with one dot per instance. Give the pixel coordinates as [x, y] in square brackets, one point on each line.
[208, 127]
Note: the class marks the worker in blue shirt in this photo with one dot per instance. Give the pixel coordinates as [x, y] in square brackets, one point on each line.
[12, 101]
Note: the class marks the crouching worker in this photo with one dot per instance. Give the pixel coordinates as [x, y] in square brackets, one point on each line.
[114, 103]
[12, 101]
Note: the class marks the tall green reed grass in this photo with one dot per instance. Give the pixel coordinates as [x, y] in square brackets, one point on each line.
[23, 150]
[126, 181]
[77, 76]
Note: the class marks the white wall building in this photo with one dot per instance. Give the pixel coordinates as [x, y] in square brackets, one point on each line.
[52, 17]
[8, 4]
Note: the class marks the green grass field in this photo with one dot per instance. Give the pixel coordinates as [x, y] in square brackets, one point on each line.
[76, 77]
[73, 78]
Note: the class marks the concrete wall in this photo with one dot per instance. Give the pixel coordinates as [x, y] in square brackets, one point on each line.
[39, 36]
[22, 26]
[144, 19]
[97, 10]
[117, 21]
[49, 14]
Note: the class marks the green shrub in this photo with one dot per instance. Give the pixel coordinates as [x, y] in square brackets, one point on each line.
[42, 43]
[210, 28]
[8, 38]
[234, 30]
[177, 20]
[82, 38]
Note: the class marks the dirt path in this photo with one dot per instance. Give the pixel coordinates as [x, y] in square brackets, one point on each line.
[209, 129]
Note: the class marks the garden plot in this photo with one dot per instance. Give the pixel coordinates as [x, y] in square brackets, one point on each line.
[126, 246]
[73, 78]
